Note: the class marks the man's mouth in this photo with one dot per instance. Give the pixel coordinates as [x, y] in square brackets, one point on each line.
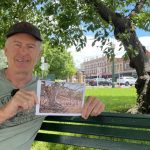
[22, 60]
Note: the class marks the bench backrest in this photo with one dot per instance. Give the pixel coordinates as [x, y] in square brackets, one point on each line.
[105, 131]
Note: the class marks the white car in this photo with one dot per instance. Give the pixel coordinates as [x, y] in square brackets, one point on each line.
[126, 80]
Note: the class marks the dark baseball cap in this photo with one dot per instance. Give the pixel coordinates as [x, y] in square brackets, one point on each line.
[24, 27]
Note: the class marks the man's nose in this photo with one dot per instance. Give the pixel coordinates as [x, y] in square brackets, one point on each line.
[23, 50]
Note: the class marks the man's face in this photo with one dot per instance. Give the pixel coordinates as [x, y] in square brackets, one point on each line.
[22, 52]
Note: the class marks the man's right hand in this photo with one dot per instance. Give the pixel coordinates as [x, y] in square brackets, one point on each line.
[22, 100]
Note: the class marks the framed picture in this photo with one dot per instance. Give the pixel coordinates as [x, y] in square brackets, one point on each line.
[59, 98]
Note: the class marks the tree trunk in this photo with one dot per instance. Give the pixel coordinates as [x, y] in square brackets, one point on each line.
[124, 31]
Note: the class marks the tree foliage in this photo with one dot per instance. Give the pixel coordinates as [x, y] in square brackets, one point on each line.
[13, 11]
[66, 22]
[60, 62]
[3, 60]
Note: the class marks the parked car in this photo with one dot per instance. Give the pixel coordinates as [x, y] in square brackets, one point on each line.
[100, 81]
[87, 81]
[109, 80]
[93, 82]
[126, 80]
[105, 82]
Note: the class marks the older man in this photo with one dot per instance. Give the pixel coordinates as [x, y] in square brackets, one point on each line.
[18, 122]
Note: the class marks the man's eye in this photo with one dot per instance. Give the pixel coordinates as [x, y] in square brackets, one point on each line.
[17, 45]
[30, 47]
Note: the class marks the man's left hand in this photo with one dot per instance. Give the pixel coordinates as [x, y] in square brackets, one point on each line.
[92, 107]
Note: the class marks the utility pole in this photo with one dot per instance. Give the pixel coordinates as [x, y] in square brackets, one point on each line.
[113, 66]
[97, 71]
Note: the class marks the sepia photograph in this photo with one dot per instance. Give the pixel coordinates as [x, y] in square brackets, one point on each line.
[59, 98]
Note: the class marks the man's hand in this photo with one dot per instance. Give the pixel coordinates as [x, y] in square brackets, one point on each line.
[92, 107]
[22, 100]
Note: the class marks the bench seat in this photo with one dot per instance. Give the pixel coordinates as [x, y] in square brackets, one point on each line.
[113, 131]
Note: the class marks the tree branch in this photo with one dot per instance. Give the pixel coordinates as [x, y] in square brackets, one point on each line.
[139, 5]
[115, 19]
[124, 32]
[106, 14]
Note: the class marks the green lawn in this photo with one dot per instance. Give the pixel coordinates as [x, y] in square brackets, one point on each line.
[115, 100]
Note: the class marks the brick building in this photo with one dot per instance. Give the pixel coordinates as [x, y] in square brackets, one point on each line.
[102, 67]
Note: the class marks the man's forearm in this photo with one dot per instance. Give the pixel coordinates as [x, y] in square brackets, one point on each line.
[3, 116]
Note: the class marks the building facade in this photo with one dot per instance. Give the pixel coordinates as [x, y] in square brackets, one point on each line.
[102, 67]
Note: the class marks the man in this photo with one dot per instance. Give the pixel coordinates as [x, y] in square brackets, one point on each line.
[18, 122]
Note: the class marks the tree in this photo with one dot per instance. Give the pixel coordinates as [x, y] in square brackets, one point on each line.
[14, 11]
[59, 60]
[73, 18]
[65, 22]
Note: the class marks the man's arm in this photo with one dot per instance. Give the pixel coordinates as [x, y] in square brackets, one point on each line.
[22, 100]
[3, 116]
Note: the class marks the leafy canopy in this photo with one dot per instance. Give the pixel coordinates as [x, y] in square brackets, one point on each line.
[66, 22]
[60, 62]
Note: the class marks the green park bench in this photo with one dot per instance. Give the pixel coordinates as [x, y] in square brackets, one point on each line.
[112, 131]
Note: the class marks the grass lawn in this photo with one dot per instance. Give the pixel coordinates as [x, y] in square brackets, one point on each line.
[115, 100]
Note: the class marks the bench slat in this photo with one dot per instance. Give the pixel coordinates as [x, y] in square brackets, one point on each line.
[115, 119]
[89, 142]
[99, 131]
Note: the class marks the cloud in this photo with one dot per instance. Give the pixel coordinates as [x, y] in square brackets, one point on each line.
[86, 53]
[90, 52]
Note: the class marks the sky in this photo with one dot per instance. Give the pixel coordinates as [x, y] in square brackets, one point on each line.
[90, 52]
